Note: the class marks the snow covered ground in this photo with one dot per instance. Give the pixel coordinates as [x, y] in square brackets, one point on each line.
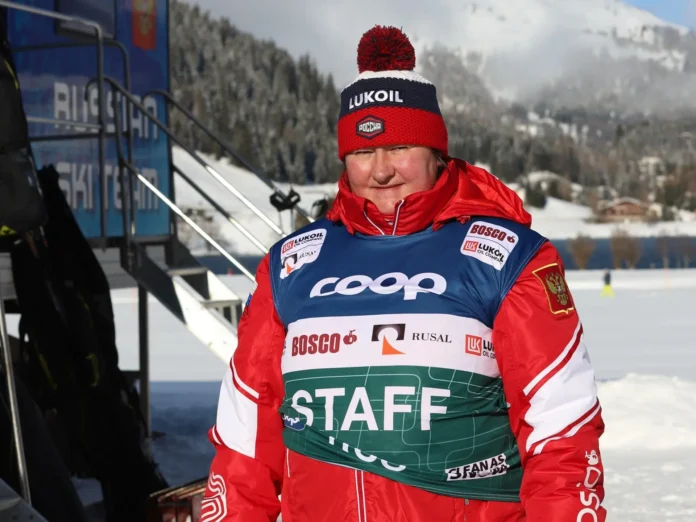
[562, 220]
[641, 343]
[558, 220]
[255, 190]
[649, 448]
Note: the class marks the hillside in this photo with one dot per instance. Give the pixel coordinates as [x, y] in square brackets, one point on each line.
[589, 121]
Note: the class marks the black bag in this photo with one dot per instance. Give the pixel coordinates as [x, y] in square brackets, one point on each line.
[70, 359]
[21, 205]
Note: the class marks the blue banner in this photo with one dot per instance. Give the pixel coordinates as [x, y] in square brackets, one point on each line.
[53, 83]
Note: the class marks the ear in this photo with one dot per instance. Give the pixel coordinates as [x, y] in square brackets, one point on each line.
[439, 157]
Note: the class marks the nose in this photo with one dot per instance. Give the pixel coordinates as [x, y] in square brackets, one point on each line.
[382, 169]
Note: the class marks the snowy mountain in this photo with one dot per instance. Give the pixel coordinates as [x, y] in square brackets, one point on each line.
[522, 27]
[522, 47]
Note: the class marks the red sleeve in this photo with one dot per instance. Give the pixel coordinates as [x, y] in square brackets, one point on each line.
[550, 386]
[247, 471]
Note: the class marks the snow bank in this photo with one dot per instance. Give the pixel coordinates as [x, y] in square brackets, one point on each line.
[648, 279]
[649, 413]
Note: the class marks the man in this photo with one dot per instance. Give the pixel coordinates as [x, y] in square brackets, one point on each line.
[607, 290]
[415, 356]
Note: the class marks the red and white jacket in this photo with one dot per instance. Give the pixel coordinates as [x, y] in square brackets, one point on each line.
[254, 478]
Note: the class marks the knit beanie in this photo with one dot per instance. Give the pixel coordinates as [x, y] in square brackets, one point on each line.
[389, 104]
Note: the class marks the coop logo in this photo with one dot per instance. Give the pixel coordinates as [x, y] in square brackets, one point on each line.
[320, 343]
[386, 284]
[294, 423]
[478, 346]
[366, 457]
[369, 127]
[489, 243]
[492, 467]
[300, 250]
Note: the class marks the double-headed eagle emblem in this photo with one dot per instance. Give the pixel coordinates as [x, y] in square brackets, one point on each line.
[557, 286]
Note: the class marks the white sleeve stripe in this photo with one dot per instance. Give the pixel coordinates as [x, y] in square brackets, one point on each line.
[570, 433]
[242, 384]
[237, 418]
[555, 363]
[563, 399]
[216, 437]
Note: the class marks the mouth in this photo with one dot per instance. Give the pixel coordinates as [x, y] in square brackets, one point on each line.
[389, 187]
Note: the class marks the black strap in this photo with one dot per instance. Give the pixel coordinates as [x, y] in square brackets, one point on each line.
[285, 202]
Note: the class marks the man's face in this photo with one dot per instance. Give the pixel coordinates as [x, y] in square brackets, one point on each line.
[386, 175]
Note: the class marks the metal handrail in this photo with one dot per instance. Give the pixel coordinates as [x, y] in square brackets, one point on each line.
[127, 199]
[222, 211]
[127, 81]
[269, 183]
[67, 123]
[99, 36]
[195, 156]
[14, 406]
[123, 162]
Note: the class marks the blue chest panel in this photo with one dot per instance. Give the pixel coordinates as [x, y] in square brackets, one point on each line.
[389, 364]
[461, 269]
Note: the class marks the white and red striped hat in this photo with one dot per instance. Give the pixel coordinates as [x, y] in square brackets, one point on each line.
[389, 103]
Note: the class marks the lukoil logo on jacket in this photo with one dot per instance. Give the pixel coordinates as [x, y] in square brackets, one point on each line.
[300, 250]
[489, 243]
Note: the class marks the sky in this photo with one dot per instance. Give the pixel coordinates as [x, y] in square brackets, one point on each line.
[329, 30]
[681, 12]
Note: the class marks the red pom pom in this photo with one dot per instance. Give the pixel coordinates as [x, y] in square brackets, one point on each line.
[385, 49]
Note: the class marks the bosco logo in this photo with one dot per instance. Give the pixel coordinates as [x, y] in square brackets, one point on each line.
[588, 494]
[495, 233]
[391, 283]
[320, 343]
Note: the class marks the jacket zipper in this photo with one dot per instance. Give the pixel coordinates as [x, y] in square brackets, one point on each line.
[396, 217]
[373, 223]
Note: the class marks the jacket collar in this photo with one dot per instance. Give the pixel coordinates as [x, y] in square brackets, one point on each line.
[461, 191]
[414, 213]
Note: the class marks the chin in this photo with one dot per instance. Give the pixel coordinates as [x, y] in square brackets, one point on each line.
[386, 203]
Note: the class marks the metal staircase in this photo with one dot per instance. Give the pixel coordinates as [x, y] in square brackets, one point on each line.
[190, 291]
